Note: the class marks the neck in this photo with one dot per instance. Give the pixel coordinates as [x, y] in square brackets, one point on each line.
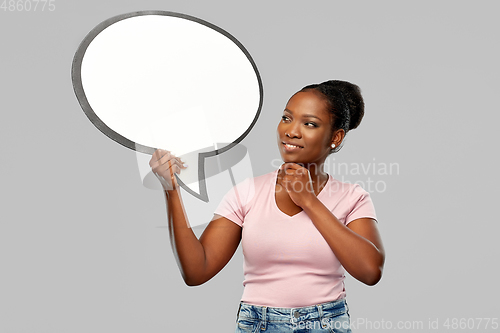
[317, 173]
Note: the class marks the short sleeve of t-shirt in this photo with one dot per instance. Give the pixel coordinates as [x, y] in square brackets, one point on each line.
[362, 205]
[234, 205]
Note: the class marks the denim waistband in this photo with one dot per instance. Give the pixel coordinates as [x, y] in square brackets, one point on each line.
[273, 314]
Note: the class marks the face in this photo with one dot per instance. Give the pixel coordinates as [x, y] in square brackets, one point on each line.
[305, 130]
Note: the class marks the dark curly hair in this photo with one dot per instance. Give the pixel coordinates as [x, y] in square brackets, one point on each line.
[346, 104]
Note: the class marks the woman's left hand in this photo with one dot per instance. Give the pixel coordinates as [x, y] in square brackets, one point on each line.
[298, 183]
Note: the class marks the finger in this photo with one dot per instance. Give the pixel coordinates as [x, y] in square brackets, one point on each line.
[154, 157]
[297, 170]
[290, 166]
[175, 166]
[286, 181]
[167, 157]
[163, 163]
[174, 169]
[155, 164]
[290, 171]
[181, 163]
[157, 155]
[302, 171]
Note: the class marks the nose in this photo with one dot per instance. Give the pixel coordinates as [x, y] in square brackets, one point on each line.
[293, 130]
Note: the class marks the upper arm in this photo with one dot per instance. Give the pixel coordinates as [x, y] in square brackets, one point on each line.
[367, 228]
[220, 239]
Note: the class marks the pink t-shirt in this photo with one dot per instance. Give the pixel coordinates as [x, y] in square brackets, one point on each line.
[288, 263]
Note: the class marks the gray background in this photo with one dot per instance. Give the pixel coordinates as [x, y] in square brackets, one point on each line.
[83, 246]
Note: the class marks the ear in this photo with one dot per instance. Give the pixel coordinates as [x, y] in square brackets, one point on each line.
[337, 137]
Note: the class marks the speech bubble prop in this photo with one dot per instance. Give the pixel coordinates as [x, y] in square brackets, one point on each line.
[157, 79]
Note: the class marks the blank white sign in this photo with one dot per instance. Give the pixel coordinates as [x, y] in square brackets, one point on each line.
[166, 80]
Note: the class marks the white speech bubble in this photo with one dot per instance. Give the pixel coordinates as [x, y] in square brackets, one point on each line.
[156, 79]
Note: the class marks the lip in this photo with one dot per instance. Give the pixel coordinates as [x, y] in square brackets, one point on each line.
[288, 148]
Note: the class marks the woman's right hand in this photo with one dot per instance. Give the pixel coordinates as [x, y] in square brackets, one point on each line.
[165, 165]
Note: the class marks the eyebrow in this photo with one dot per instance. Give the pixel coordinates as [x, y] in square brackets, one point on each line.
[306, 115]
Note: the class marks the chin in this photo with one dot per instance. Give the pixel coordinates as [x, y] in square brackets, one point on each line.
[290, 159]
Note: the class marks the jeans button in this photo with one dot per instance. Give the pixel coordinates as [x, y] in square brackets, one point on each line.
[297, 315]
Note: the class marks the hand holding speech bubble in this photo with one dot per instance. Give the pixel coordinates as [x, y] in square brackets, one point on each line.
[156, 79]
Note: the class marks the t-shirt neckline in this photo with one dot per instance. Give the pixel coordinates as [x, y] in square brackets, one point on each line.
[275, 204]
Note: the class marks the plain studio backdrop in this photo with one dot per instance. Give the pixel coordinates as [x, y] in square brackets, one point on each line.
[83, 244]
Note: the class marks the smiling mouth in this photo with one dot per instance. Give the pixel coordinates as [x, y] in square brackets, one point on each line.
[291, 146]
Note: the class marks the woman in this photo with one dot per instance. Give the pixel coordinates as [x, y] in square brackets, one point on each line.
[299, 227]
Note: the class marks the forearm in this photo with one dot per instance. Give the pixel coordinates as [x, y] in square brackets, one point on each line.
[360, 257]
[187, 248]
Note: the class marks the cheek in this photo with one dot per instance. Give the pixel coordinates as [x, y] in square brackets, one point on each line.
[320, 141]
[280, 129]
[279, 133]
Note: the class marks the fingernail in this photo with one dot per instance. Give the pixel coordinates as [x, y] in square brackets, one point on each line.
[185, 165]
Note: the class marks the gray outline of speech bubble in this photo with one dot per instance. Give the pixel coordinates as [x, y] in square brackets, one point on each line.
[82, 99]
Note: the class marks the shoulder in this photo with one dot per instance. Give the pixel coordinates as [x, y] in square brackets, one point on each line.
[257, 182]
[265, 179]
[348, 194]
[247, 189]
[346, 189]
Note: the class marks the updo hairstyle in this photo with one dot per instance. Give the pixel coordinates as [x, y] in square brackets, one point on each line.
[345, 104]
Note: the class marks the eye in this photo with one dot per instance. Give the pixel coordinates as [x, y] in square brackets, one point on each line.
[311, 124]
[285, 119]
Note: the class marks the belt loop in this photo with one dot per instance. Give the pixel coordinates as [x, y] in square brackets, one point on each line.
[320, 310]
[264, 319]
[293, 320]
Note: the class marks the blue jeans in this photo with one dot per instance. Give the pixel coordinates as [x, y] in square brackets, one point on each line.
[330, 317]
